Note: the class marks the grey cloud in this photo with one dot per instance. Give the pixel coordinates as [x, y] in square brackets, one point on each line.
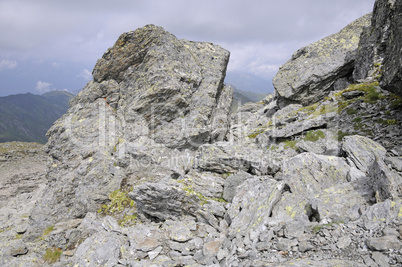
[261, 34]
[28, 24]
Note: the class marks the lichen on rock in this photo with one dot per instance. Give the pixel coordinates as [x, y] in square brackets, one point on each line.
[310, 74]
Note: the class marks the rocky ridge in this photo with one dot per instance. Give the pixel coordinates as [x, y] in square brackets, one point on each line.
[149, 168]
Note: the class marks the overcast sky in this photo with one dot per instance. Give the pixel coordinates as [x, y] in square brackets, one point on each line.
[49, 44]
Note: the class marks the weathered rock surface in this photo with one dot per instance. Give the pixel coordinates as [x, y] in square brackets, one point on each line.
[22, 182]
[151, 93]
[392, 72]
[380, 45]
[149, 168]
[312, 71]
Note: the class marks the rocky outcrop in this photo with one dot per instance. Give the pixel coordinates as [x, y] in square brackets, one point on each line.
[149, 168]
[314, 70]
[380, 45]
[152, 97]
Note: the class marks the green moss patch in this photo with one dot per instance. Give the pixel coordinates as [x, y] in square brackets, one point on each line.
[317, 228]
[259, 130]
[118, 202]
[340, 135]
[290, 144]
[48, 230]
[128, 220]
[121, 207]
[314, 136]
[351, 111]
[52, 255]
[387, 122]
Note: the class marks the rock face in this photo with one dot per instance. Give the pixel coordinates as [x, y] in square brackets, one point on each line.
[152, 95]
[380, 45]
[313, 70]
[149, 168]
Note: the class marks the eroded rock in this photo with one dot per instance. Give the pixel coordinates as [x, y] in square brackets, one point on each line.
[308, 76]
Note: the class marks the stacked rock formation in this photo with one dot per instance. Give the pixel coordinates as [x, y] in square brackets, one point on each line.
[149, 167]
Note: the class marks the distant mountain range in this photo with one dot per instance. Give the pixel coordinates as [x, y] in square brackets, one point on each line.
[27, 117]
[241, 97]
[249, 82]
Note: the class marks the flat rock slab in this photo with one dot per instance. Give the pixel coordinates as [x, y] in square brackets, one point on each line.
[384, 243]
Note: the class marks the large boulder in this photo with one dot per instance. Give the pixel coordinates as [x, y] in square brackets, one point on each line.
[154, 99]
[380, 46]
[368, 156]
[392, 70]
[312, 71]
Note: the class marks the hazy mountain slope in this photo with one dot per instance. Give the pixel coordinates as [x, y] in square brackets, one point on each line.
[27, 117]
[249, 82]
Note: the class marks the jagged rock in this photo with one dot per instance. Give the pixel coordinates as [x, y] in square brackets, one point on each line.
[151, 94]
[249, 215]
[309, 175]
[380, 259]
[22, 182]
[307, 77]
[231, 184]
[298, 127]
[395, 162]
[165, 200]
[316, 263]
[126, 133]
[383, 212]
[380, 45]
[224, 157]
[207, 184]
[314, 173]
[369, 156]
[101, 249]
[386, 183]
[362, 151]
[384, 243]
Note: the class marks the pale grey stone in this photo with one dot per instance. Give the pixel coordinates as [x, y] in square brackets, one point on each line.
[308, 77]
[380, 259]
[362, 151]
[154, 253]
[344, 242]
[231, 184]
[384, 243]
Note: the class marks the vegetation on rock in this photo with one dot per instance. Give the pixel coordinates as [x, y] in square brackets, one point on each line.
[52, 255]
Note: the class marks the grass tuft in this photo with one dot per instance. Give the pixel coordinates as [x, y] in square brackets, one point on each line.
[52, 255]
[314, 136]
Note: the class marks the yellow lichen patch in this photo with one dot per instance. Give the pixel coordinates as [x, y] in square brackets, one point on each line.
[260, 130]
[290, 211]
